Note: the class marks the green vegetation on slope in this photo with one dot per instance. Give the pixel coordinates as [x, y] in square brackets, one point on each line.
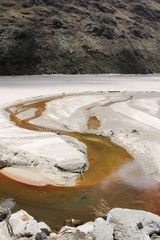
[79, 36]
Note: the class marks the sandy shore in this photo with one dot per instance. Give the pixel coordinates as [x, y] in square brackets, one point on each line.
[131, 119]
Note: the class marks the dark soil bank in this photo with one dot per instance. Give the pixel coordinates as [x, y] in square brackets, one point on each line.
[79, 36]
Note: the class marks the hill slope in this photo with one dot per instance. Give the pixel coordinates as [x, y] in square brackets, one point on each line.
[79, 36]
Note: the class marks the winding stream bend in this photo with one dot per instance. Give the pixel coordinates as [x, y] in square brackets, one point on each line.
[54, 204]
[104, 156]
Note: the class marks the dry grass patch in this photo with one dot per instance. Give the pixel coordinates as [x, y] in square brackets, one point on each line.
[101, 210]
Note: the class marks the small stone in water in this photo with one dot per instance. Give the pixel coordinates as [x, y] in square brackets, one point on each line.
[73, 222]
[8, 203]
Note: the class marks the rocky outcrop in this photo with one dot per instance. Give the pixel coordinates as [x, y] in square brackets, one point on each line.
[50, 36]
[22, 225]
[121, 224]
[134, 224]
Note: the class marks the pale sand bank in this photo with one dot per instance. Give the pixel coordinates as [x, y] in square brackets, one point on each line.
[118, 120]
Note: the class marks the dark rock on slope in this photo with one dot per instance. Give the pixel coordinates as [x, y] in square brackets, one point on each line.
[79, 36]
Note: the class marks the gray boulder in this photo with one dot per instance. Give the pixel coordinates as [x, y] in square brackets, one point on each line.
[102, 230]
[133, 224]
[121, 224]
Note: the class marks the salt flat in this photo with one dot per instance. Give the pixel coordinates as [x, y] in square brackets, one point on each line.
[14, 88]
[125, 117]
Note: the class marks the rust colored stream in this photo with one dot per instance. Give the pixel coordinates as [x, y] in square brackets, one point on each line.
[55, 204]
[104, 156]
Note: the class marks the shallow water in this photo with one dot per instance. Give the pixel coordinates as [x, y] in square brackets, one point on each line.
[54, 205]
[113, 175]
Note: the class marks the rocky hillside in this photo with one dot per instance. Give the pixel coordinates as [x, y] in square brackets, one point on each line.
[79, 36]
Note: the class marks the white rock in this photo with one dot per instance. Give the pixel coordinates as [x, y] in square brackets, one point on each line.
[2, 237]
[102, 230]
[53, 236]
[125, 223]
[131, 217]
[86, 228]
[21, 223]
[42, 225]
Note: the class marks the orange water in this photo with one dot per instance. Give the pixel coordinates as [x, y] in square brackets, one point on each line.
[113, 175]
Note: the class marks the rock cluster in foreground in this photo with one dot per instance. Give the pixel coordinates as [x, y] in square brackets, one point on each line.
[121, 224]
